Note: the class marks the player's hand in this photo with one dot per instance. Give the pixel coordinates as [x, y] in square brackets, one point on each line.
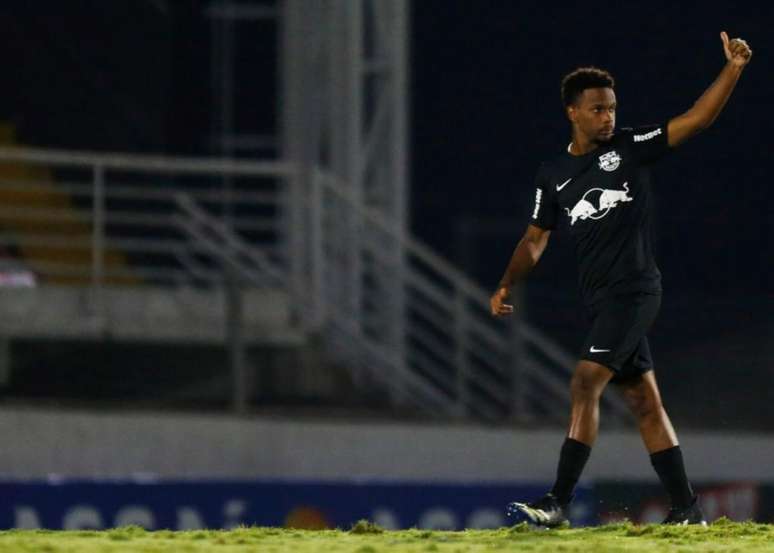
[497, 302]
[737, 51]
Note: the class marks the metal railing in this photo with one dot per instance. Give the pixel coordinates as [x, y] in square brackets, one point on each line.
[128, 204]
[418, 327]
[447, 353]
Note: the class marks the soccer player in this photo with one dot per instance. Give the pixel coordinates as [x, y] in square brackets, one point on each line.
[600, 190]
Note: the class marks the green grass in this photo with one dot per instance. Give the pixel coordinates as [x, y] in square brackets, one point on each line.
[723, 536]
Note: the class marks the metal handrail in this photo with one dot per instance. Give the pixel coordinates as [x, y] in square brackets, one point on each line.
[143, 191]
[198, 223]
[146, 163]
[134, 230]
[124, 218]
[561, 361]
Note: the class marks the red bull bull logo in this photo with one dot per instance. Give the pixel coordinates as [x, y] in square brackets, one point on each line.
[597, 202]
[609, 161]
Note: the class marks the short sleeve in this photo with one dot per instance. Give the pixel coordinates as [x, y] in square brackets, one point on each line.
[648, 144]
[544, 213]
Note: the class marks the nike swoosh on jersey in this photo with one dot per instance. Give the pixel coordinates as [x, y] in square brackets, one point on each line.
[560, 186]
[594, 350]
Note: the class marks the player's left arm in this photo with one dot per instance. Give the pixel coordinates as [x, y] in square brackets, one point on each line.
[709, 105]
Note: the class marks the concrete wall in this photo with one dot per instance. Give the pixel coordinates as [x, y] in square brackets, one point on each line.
[37, 443]
[143, 313]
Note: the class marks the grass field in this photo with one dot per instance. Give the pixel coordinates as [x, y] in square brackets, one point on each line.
[723, 535]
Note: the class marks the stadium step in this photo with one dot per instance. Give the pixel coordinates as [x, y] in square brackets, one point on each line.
[48, 231]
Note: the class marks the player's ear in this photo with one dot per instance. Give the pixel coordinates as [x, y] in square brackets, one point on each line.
[572, 114]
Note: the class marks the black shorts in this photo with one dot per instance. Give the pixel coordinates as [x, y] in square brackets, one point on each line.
[617, 338]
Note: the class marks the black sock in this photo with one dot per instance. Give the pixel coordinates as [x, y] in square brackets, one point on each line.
[572, 459]
[669, 467]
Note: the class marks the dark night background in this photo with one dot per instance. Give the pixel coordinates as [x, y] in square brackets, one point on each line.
[485, 106]
[487, 110]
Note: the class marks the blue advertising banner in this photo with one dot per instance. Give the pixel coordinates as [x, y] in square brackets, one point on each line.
[209, 504]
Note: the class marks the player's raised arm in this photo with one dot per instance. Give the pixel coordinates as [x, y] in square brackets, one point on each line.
[524, 258]
[710, 104]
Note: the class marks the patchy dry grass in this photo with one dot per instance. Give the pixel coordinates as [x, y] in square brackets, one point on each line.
[366, 537]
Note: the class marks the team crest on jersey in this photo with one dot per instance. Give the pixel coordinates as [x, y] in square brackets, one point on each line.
[609, 161]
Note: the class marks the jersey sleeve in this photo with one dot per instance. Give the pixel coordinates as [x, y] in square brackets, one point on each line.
[648, 144]
[544, 213]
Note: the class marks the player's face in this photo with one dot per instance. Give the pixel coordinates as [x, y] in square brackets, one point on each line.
[594, 114]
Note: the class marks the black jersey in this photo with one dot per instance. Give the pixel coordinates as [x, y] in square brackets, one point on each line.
[605, 200]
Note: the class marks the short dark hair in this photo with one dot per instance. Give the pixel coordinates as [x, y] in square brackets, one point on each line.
[582, 78]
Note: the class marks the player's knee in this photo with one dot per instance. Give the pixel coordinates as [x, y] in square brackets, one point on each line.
[643, 405]
[585, 386]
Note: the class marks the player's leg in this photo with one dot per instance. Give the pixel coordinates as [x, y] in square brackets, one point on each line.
[588, 382]
[618, 325]
[586, 387]
[644, 399]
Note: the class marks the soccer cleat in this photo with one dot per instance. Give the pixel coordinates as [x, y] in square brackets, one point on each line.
[689, 515]
[546, 511]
